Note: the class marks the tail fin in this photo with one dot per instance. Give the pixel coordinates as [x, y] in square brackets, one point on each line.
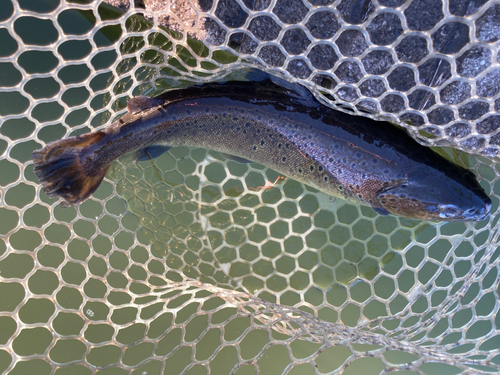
[67, 169]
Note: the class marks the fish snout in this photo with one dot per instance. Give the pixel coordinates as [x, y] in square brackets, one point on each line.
[478, 213]
[435, 204]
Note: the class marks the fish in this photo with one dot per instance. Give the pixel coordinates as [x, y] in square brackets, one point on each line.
[285, 128]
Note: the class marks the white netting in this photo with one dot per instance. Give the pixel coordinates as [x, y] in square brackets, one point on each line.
[194, 264]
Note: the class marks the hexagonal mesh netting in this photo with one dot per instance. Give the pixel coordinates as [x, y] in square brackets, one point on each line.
[195, 264]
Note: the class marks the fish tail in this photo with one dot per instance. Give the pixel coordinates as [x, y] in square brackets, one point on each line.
[67, 168]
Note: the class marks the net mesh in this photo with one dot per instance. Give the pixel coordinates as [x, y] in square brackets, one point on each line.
[195, 264]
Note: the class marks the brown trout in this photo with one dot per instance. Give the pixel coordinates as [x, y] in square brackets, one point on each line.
[355, 158]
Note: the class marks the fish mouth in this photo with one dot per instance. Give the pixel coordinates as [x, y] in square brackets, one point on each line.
[453, 213]
[478, 213]
[395, 200]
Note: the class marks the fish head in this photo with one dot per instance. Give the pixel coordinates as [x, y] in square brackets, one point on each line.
[432, 196]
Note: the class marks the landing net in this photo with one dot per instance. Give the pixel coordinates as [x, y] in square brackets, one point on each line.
[194, 264]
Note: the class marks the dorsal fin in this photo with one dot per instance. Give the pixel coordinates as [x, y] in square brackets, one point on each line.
[141, 103]
[294, 89]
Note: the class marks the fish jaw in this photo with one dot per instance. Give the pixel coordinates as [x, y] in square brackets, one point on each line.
[438, 199]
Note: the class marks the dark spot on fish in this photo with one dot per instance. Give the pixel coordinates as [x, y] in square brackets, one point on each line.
[325, 178]
[359, 196]
[238, 129]
[336, 146]
[320, 168]
[300, 170]
[224, 114]
[168, 131]
[258, 131]
[218, 133]
[254, 148]
[247, 124]
[244, 132]
[311, 168]
[279, 145]
[262, 143]
[353, 165]
[232, 126]
[340, 171]
[287, 145]
[344, 160]
[235, 118]
[330, 160]
[284, 158]
[341, 187]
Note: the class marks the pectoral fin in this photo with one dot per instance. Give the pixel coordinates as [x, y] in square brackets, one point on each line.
[151, 152]
[141, 103]
[380, 211]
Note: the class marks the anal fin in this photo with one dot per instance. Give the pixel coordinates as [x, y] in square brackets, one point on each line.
[151, 152]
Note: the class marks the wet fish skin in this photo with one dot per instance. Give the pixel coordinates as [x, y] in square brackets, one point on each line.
[361, 160]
